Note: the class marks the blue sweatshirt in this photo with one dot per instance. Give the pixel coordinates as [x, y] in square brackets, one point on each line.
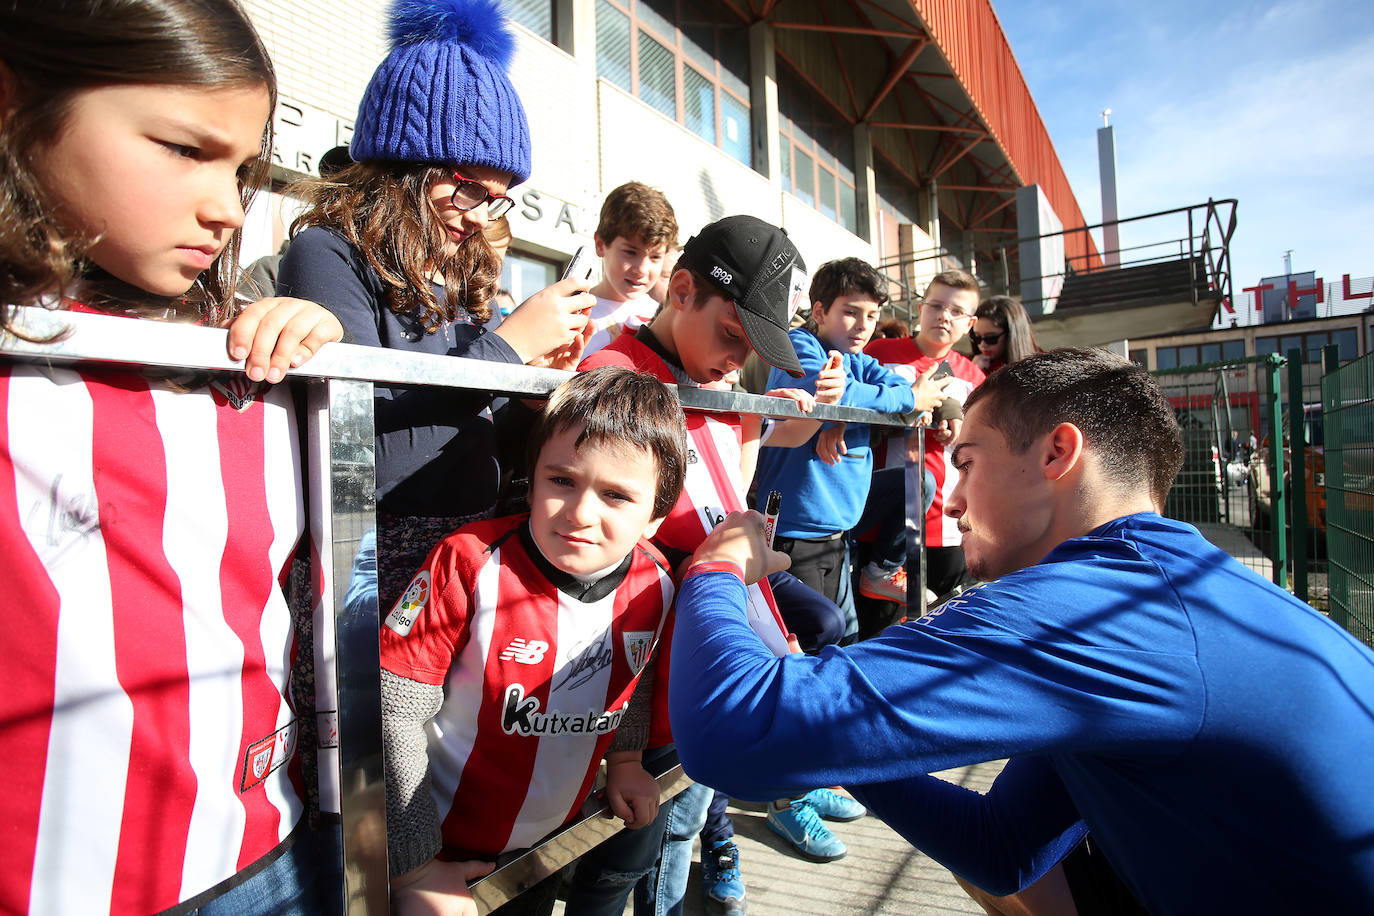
[821, 499]
[1211, 731]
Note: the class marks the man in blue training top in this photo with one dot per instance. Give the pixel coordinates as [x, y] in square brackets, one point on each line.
[1199, 721]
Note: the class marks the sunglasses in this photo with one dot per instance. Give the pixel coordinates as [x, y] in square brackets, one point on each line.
[989, 339]
[468, 194]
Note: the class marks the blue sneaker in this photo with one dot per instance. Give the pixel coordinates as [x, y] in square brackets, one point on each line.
[799, 825]
[720, 880]
[833, 806]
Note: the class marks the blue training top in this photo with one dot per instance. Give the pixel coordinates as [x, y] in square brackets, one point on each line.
[821, 499]
[1211, 731]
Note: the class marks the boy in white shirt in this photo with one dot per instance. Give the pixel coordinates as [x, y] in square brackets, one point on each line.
[636, 230]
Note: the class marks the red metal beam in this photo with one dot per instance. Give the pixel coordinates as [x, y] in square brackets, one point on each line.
[993, 212]
[948, 162]
[844, 29]
[1009, 189]
[942, 128]
[894, 75]
[740, 14]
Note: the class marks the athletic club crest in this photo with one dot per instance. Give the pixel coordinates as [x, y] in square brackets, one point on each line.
[237, 389]
[638, 645]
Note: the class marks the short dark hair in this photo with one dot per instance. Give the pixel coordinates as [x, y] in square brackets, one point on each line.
[1008, 314]
[621, 407]
[1123, 414]
[846, 277]
[640, 213]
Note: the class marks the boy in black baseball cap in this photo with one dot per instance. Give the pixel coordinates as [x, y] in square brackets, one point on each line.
[735, 289]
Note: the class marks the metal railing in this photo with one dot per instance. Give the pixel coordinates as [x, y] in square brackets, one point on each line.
[1348, 420]
[1204, 235]
[339, 384]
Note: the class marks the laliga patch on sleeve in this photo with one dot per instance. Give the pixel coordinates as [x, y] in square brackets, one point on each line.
[410, 605]
[796, 293]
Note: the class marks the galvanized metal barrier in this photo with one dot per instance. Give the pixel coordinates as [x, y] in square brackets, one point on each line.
[1348, 414]
[341, 478]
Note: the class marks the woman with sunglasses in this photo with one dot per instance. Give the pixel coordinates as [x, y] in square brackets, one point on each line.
[394, 246]
[1001, 334]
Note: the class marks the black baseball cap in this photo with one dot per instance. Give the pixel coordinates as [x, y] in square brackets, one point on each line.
[755, 264]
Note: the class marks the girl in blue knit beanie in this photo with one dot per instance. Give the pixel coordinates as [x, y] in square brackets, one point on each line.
[393, 245]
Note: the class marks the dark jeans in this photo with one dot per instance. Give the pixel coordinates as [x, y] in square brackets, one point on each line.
[885, 513]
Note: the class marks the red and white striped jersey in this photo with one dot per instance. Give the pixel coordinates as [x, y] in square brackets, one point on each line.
[144, 725]
[714, 485]
[902, 355]
[536, 677]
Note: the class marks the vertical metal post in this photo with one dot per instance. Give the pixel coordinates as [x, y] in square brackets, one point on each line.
[1278, 515]
[1338, 522]
[1299, 497]
[343, 489]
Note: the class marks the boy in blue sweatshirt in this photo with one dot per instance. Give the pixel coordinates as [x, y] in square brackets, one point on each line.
[825, 484]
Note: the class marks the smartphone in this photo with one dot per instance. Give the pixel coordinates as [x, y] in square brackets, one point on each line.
[943, 371]
[581, 265]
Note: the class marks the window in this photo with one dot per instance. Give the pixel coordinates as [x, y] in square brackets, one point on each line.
[1140, 358]
[817, 148]
[524, 275]
[687, 59]
[1166, 358]
[1233, 349]
[1347, 343]
[535, 15]
[1345, 339]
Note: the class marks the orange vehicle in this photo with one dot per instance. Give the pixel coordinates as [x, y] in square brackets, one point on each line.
[1314, 472]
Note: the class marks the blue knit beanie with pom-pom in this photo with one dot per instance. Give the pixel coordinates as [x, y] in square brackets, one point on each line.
[442, 95]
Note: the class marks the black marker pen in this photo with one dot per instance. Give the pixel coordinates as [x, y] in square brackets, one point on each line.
[770, 516]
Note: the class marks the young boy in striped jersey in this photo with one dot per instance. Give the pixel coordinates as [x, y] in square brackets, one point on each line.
[512, 661]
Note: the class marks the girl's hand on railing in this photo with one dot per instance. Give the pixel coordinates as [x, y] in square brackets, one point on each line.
[438, 889]
[280, 333]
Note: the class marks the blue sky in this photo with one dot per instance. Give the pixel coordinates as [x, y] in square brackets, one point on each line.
[1271, 103]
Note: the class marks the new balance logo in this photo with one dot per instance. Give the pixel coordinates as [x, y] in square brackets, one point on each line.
[525, 651]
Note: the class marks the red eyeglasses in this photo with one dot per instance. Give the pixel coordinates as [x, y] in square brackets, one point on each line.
[468, 194]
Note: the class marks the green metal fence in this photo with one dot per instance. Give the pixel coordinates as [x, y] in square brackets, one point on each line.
[1232, 484]
[1347, 399]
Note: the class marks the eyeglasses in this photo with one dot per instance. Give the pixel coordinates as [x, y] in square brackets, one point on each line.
[468, 194]
[989, 339]
[951, 310]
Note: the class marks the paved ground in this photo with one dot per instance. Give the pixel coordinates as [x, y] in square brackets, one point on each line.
[881, 874]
